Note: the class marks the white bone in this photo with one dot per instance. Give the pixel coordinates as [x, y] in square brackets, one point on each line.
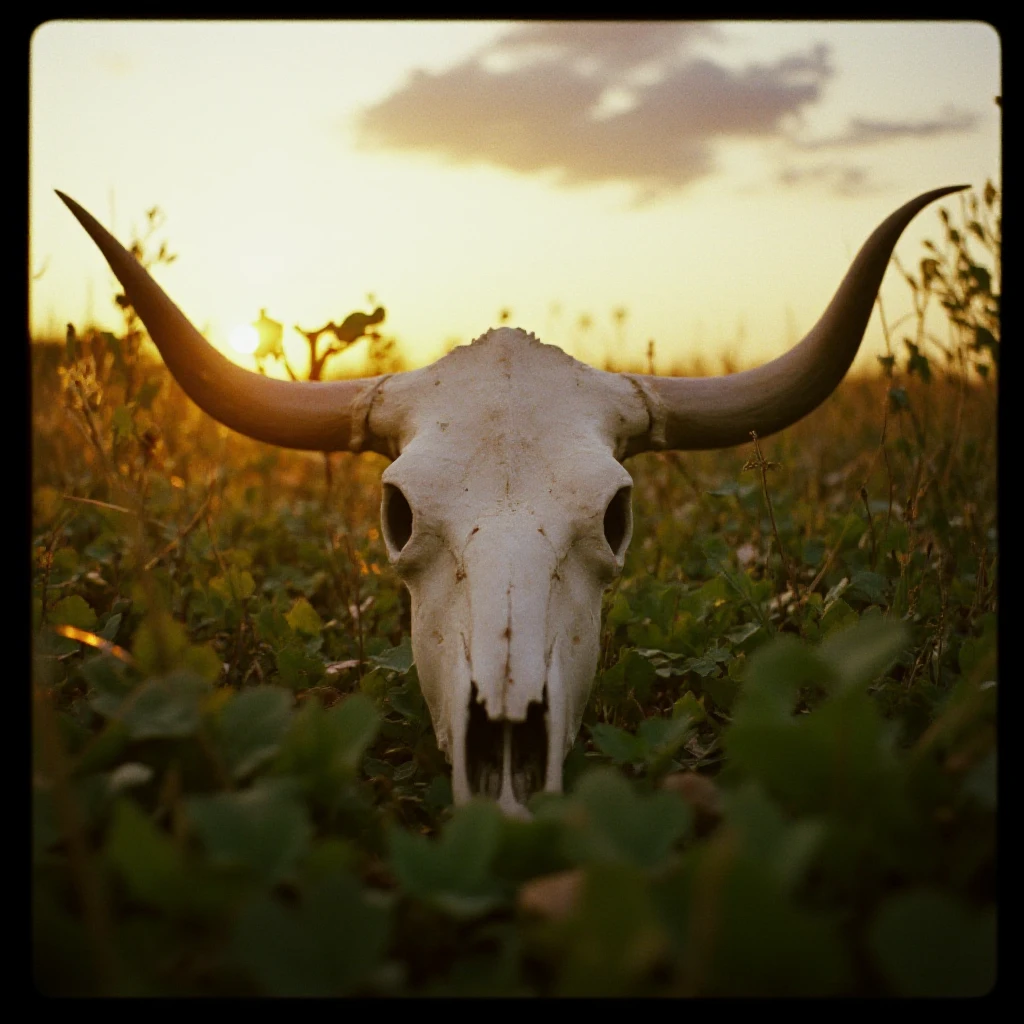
[508, 469]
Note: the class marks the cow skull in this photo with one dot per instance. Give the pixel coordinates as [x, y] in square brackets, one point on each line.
[506, 508]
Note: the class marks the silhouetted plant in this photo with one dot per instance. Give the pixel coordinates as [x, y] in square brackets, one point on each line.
[965, 283]
[353, 328]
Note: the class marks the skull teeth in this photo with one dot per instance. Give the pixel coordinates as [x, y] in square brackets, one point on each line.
[505, 760]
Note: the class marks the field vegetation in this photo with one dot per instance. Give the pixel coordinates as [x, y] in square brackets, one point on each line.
[785, 783]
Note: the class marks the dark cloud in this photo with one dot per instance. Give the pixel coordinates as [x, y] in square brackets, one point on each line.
[544, 113]
[605, 102]
[866, 132]
[842, 179]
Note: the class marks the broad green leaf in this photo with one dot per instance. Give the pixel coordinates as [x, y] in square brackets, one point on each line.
[73, 611]
[747, 938]
[667, 664]
[839, 756]
[619, 824]
[614, 938]
[298, 668]
[169, 706]
[662, 737]
[324, 748]
[239, 558]
[235, 585]
[250, 727]
[785, 848]
[355, 722]
[896, 539]
[145, 857]
[928, 943]
[272, 626]
[408, 701]
[688, 706]
[109, 683]
[396, 659]
[839, 616]
[715, 549]
[159, 644]
[869, 585]
[328, 946]
[110, 627]
[774, 675]
[438, 794]
[709, 663]
[632, 673]
[529, 849]
[303, 618]
[620, 612]
[453, 871]
[617, 744]
[743, 633]
[712, 593]
[857, 656]
[264, 828]
[202, 661]
[375, 685]
[104, 749]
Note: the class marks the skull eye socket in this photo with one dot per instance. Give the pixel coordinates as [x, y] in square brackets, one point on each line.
[618, 519]
[396, 518]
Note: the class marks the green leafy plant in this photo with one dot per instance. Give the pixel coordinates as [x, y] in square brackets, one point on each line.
[786, 779]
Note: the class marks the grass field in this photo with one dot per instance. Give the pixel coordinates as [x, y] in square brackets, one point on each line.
[786, 778]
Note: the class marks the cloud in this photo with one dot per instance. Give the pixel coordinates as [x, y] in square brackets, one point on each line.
[639, 103]
[595, 103]
[842, 179]
[865, 132]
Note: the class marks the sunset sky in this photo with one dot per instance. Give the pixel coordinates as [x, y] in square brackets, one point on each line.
[712, 179]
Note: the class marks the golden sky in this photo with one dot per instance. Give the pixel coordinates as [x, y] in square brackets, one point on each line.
[712, 179]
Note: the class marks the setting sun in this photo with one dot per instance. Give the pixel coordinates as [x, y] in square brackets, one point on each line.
[244, 339]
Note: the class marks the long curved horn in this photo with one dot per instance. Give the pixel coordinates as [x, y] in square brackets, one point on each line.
[717, 412]
[313, 415]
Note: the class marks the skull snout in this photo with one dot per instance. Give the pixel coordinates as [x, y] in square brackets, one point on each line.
[506, 760]
[508, 736]
[509, 575]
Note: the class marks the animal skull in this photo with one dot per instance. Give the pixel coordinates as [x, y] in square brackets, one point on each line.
[506, 508]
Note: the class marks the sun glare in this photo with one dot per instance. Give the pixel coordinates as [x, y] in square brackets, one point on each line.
[244, 339]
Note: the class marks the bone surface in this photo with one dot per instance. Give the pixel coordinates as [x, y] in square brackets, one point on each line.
[508, 465]
[506, 508]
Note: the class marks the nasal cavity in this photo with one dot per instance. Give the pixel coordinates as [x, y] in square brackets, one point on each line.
[494, 747]
[396, 518]
[618, 517]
